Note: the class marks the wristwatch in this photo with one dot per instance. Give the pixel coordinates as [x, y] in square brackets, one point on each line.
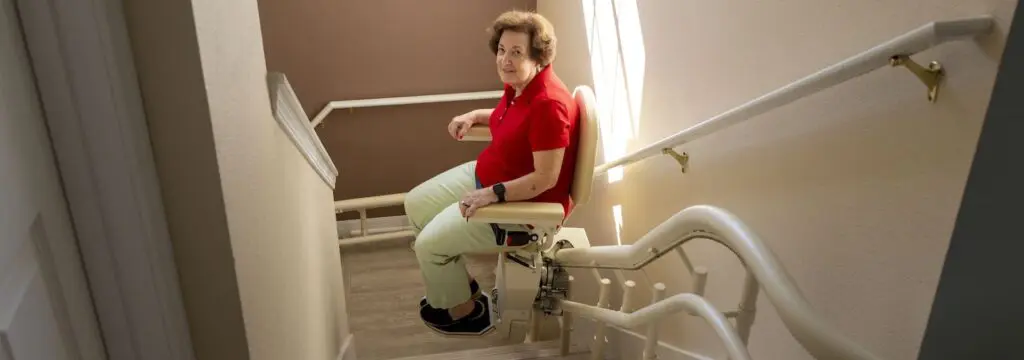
[499, 189]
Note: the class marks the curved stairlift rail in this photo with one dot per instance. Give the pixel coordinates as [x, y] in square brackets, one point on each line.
[819, 338]
[693, 303]
[917, 40]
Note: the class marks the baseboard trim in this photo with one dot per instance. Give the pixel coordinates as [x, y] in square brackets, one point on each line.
[626, 344]
[347, 351]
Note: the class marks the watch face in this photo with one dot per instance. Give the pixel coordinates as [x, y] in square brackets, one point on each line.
[499, 189]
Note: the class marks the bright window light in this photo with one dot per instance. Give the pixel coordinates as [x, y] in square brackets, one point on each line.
[617, 215]
[618, 59]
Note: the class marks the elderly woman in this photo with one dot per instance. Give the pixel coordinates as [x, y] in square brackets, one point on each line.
[531, 157]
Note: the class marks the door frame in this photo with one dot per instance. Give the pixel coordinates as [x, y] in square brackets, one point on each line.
[86, 80]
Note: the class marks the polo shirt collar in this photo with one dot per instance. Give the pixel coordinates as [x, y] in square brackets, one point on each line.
[534, 87]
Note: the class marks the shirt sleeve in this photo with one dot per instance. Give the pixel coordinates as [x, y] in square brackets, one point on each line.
[549, 125]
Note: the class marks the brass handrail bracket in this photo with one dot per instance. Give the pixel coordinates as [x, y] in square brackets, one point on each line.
[683, 159]
[930, 76]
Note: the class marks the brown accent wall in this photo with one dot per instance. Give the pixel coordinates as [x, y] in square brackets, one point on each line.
[343, 50]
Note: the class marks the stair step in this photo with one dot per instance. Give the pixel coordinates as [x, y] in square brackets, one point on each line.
[533, 351]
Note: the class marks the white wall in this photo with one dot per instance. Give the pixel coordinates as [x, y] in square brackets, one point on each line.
[280, 213]
[252, 222]
[855, 189]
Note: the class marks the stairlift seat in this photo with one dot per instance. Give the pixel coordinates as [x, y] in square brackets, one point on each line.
[550, 216]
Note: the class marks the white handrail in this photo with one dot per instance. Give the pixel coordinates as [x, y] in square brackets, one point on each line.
[404, 100]
[915, 41]
[708, 222]
[370, 202]
[653, 312]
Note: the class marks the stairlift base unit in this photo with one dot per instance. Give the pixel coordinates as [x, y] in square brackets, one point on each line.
[523, 293]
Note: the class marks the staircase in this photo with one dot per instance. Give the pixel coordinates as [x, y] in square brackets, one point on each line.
[534, 351]
[394, 287]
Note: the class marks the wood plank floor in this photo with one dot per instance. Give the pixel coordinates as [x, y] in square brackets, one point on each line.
[385, 286]
[535, 351]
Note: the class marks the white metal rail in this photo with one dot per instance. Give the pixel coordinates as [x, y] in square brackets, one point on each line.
[404, 100]
[365, 234]
[708, 222]
[649, 315]
[915, 41]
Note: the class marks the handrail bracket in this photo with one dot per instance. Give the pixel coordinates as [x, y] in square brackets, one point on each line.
[930, 76]
[683, 159]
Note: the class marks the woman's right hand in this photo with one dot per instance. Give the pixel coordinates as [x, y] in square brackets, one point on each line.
[460, 126]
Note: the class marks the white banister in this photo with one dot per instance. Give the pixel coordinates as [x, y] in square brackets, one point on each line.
[627, 296]
[674, 304]
[565, 337]
[371, 202]
[365, 234]
[597, 350]
[403, 100]
[747, 307]
[700, 280]
[915, 41]
[651, 342]
[821, 339]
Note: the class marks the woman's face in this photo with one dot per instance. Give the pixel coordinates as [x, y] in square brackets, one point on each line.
[515, 67]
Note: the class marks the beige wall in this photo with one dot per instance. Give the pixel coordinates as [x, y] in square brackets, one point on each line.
[855, 189]
[252, 224]
[343, 50]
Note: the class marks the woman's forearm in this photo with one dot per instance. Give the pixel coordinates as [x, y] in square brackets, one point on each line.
[528, 186]
[546, 164]
[481, 116]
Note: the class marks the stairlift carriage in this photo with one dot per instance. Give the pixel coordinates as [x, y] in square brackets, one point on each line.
[528, 284]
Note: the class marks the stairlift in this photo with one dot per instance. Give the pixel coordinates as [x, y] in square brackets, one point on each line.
[528, 284]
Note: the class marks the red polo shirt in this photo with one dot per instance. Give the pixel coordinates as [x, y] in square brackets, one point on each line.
[543, 117]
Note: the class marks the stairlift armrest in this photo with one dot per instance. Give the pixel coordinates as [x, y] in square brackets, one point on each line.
[537, 214]
[478, 133]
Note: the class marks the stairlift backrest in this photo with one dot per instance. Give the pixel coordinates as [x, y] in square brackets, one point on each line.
[550, 216]
[586, 156]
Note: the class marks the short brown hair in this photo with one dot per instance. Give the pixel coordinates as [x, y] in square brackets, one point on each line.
[539, 29]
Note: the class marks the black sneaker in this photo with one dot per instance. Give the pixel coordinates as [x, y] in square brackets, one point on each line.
[474, 291]
[435, 316]
[477, 323]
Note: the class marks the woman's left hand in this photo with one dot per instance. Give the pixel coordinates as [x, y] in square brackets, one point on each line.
[476, 199]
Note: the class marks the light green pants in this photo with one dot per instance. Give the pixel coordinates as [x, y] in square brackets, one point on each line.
[443, 236]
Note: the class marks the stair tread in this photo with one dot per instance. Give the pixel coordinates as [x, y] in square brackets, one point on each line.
[523, 351]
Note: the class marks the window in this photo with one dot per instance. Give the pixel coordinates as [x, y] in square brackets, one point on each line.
[618, 60]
